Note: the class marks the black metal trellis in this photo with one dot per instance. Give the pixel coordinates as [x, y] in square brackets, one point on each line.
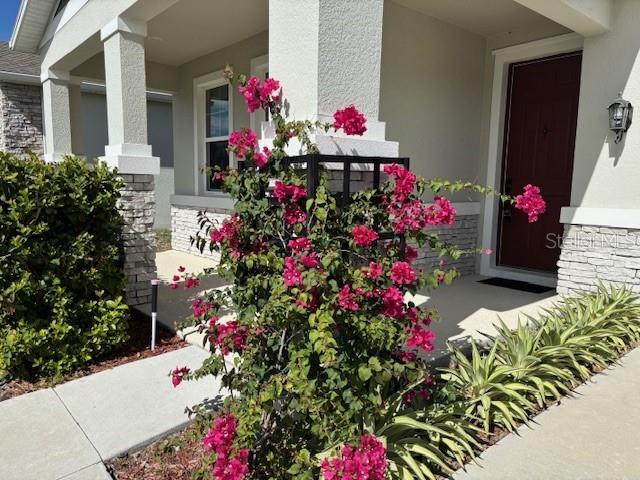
[315, 160]
[312, 172]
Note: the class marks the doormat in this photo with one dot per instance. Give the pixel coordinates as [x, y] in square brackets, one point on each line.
[516, 285]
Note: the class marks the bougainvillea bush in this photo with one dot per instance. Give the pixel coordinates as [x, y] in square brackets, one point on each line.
[321, 339]
[61, 277]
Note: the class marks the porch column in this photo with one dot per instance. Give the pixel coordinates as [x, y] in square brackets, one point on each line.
[75, 113]
[130, 153]
[335, 62]
[57, 115]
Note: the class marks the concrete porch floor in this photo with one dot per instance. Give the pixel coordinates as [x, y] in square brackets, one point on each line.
[468, 308]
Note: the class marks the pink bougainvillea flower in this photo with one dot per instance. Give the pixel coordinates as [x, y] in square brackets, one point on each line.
[406, 357]
[174, 286]
[291, 275]
[363, 236]
[177, 374]
[420, 337]
[410, 254]
[191, 282]
[231, 336]
[487, 251]
[531, 203]
[347, 300]
[310, 260]
[402, 273]
[220, 439]
[350, 120]
[181, 269]
[404, 181]
[250, 93]
[243, 141]
[288, 192]
[373, 271]
[300, 244]
[366, 462]
[175, 278]
[201, 308]
[262, 158]
[442, 212]
[393, 302]
[294, 214]
[258, 94]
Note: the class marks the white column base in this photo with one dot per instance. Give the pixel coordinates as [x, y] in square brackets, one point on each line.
[371, 144]
[132, 158]
[54, 157]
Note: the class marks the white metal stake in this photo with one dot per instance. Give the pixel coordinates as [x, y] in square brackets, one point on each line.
[154, 311]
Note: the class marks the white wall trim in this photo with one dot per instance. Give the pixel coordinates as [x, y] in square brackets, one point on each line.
[601, 217]
[60, 20]
[20, 78]
[502, 59]
[215, 200]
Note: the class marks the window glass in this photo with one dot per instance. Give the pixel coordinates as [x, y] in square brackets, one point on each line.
[217, 156]
[217, 112]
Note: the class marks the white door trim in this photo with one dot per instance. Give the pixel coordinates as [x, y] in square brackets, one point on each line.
[502, 59]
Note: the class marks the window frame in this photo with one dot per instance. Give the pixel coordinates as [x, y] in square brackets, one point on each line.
[201, 85]
[259, 67]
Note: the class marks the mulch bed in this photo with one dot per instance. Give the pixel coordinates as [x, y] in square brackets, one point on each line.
[137, 348]
[174, 458]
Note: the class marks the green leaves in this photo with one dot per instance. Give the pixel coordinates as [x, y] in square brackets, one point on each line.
[60, 267]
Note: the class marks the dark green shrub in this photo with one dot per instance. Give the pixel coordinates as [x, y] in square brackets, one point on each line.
[60, 268]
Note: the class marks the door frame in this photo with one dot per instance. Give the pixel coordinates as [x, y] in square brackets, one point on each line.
[502, 59]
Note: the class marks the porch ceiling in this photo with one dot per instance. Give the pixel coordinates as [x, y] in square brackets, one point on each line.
[192, 28]
[483, 17]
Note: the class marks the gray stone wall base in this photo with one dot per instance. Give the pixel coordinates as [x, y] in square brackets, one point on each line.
[592, 254]
[184, 226]
[463, 234]
[20, 118]
[137, 207]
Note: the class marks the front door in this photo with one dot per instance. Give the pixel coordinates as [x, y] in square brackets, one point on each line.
[540, 132]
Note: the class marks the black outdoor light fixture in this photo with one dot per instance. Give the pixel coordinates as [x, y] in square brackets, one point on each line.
[620, 115]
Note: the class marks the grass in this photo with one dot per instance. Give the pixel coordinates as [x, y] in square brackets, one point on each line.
[163, 240]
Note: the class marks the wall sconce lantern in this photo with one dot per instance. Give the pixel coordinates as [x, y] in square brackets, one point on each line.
[620, 115]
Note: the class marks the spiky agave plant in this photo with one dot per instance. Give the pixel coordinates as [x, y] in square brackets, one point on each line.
[425, 442]
[532, 363]
[488, 388]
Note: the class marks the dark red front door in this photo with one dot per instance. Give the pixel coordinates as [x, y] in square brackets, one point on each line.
[540, 132]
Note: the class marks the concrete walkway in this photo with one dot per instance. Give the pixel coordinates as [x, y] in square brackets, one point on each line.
[592, 436]
[67, 432]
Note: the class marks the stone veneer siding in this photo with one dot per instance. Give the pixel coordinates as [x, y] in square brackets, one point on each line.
[464, 234]
[590, 254]
[20, 118]
[184, 225]
[137, 206]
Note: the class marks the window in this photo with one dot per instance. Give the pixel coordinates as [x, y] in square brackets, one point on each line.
[61, 5]
[213, 122]
[216, 130]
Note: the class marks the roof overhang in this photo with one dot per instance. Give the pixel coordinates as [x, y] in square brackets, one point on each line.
[31, 23]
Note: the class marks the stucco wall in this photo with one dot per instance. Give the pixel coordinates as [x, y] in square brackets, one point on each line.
[160, 131]
[239, 56]
[95, 137]
[609, 65]
[431, 92]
